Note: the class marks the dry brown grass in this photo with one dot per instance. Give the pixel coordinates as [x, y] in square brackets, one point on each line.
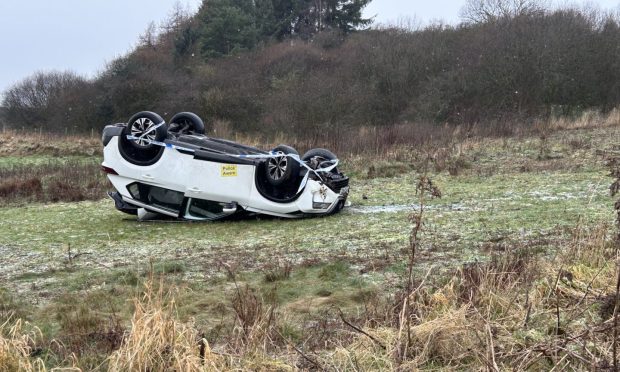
[15, 188]
[587, 119]
[16, 348]
[158, 341]
[280, 270]
[346, 141]
[518, 310]
[52, 182]
[223, 129]
[25, 142]
[539, 315]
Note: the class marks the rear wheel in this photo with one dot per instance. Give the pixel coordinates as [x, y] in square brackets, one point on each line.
[145, 127]
[282, 169]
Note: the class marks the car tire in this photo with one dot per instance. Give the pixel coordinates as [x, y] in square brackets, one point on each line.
[146, 153]
[320, 153]
[187, 122]
[140, 123]
[282, 169]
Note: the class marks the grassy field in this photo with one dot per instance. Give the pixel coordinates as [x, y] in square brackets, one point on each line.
[522, 209]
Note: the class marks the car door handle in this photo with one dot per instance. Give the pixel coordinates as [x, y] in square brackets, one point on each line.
[194, 189]
[147, 177]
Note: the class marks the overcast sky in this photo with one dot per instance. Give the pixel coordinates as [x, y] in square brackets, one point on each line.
[81, 35]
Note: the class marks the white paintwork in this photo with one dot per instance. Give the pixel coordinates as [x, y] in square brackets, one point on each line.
[201, 179]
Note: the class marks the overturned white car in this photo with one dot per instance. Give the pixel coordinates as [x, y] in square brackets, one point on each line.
[174, 170]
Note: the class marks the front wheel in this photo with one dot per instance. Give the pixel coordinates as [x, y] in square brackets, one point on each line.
[319, 158]
[186, 123]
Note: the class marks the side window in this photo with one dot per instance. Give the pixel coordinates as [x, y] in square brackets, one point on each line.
[204, 209]
[156, 196]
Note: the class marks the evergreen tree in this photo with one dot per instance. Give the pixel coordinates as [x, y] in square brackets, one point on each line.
[233, 25]
[305, 18]
[265, 18]
[346, 15]
[229, 27]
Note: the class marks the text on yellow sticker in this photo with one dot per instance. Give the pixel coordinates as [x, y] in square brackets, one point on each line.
[228, 170]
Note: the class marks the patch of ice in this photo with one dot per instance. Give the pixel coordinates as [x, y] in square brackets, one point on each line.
[366, 209]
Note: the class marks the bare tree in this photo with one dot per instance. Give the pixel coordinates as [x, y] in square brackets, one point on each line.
[50, 100]
[149, 37]
[177, 18]
[478, 11]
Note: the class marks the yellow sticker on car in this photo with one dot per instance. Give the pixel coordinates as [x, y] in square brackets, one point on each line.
[228, 170]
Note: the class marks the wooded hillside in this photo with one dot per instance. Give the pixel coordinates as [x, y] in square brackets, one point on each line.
[299, 66]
